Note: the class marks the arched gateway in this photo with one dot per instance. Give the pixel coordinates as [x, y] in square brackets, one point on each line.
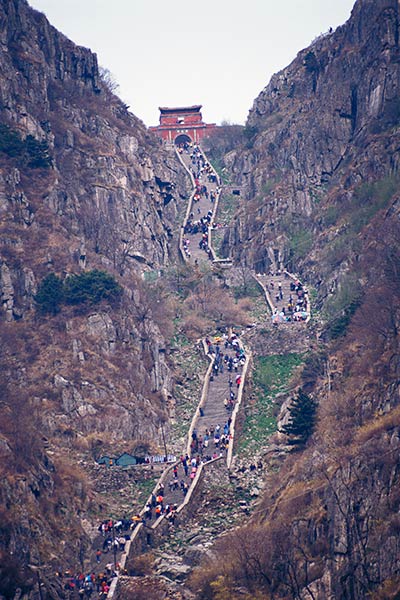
[182, 139]
[185, 121]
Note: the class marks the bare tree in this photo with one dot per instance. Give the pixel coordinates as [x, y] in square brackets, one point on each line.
[109, 80]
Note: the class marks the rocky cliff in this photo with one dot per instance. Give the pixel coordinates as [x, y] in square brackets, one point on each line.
[319, 177]
[83, 188]
[328, 119]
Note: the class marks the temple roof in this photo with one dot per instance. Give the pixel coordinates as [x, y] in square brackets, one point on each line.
[181, 109]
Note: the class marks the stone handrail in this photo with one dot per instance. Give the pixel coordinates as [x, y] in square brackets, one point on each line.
[195, 482]
[166, 473]
[215, 208]
[223, 261]
[210, 229]
[268, 297]
[190, 206]
[236, 409]
[190, 491]
[266, 293]
[203, 397]
[188, 210]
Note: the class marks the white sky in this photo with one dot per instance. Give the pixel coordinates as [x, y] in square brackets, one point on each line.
[218, 53]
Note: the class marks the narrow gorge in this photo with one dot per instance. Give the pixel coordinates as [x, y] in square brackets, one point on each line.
[139, 314]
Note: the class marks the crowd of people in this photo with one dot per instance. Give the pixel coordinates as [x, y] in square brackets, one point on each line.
[199, 224]
[88, 585]
[207, 442]
[292, 303]
[194, 227]
[199, 165]
[223, 360]
[158, 505]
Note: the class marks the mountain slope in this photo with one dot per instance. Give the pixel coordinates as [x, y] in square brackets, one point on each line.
[319, 180]
[83, 188]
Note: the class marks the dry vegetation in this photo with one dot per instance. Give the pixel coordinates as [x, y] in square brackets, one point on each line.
[339, 497]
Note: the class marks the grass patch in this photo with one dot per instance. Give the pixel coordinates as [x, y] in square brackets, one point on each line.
[271, 377]
[151, 276]
[355, 214]
[300, 243]
[143, 489]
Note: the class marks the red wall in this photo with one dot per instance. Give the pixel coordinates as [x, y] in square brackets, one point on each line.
[177, 123]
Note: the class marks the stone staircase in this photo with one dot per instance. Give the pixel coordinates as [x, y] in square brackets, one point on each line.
[217, 386]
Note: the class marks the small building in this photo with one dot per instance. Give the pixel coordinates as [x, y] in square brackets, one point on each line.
[182, 125]
[126, 460]
[109, 461]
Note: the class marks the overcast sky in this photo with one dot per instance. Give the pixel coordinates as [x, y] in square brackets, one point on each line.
[218, 53]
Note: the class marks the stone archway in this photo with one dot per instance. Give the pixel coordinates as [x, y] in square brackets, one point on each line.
[182, 139]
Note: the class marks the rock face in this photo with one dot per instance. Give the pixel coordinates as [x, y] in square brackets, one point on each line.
[112, 188]
[328, 119]
[83, 186]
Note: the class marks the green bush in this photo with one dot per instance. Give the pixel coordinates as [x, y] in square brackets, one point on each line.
[50, 294]
[250, 134]
[339, 325]
[90, 288]
[87, 288]
[302, 419]
[37, 153]
[29, 152]
[331, 215]
[300, 244]
[10, 142]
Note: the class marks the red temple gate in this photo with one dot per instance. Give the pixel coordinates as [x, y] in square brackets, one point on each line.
[180, 125]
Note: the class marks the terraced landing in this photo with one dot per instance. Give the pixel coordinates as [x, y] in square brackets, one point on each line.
[288, 299]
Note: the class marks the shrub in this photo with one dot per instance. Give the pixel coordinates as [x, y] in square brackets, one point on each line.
[29, 152]
[50, 294]
[222, 140]
[37, 153]
[339, 325]
[87, 288]
[13, 576]
[10, 142]
[340, 309]
[300, 244]
[91, 287]
[302, 419]
[250, 134]
[314, 366]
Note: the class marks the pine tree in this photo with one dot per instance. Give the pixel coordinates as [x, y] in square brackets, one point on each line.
[50, 294]
[302, 419]
[91, 287]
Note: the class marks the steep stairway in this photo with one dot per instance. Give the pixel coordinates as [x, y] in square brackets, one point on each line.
[287, 302]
